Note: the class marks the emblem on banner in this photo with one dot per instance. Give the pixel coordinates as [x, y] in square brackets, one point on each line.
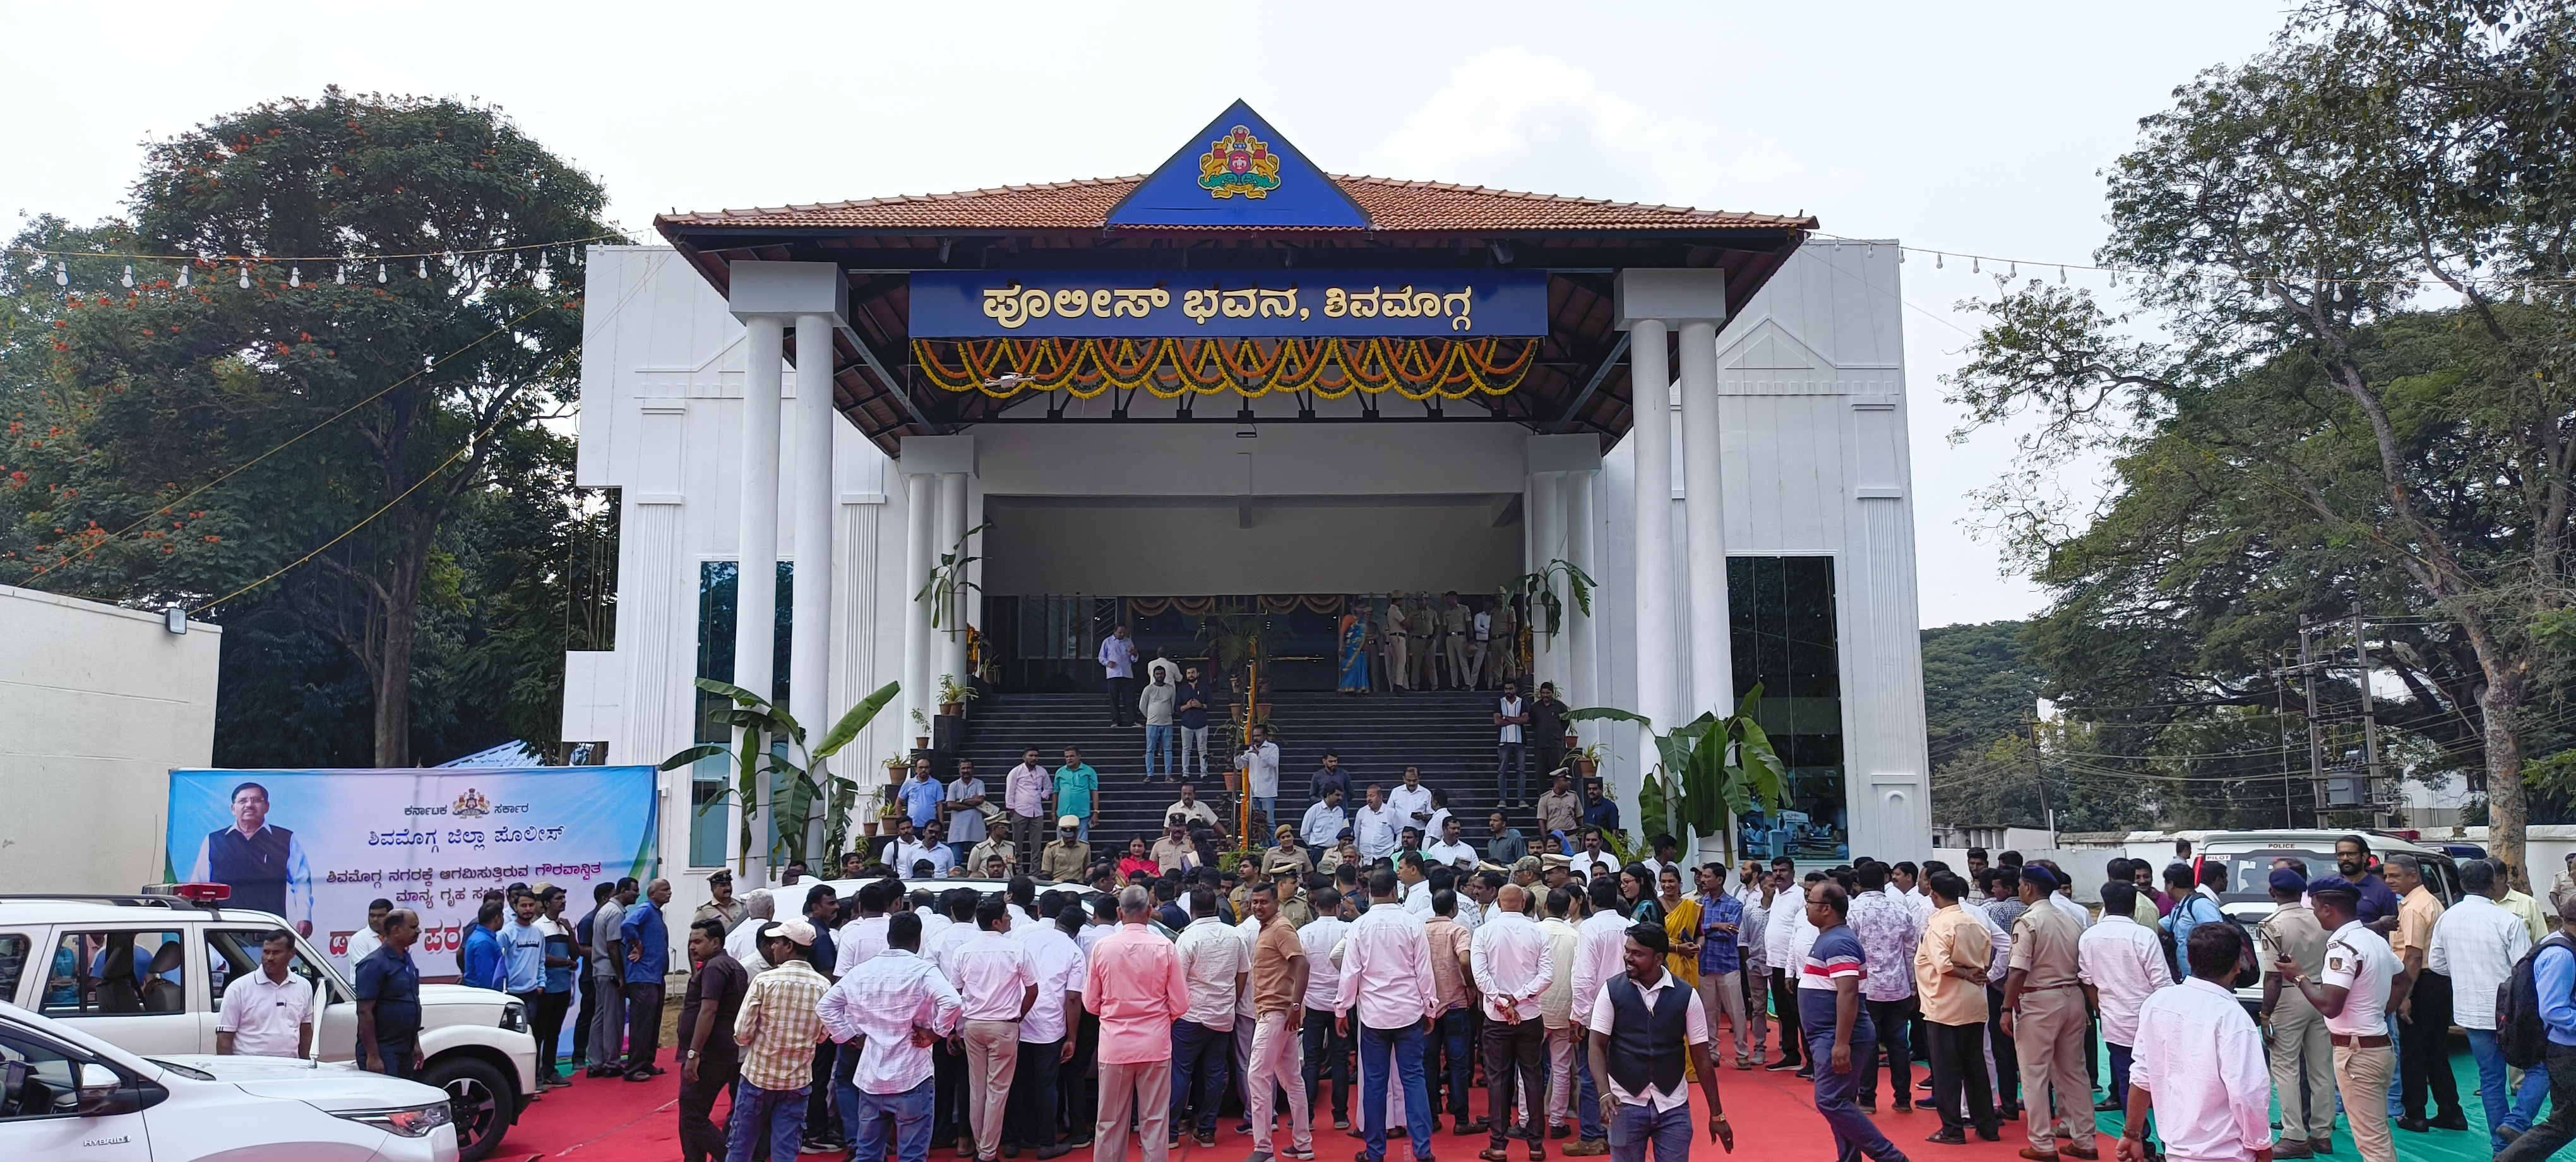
[471, 805]
[1238, 164]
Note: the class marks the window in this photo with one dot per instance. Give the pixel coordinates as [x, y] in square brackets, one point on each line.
[718, 582]
[37, 1078]
[13, 963]
[117, 973]
[234, 952]
[1783, 637]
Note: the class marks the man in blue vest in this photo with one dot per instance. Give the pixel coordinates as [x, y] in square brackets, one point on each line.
[1644, 1026]
[263, 865]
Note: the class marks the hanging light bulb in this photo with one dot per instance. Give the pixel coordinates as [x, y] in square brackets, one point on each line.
[380, 274]
[1900, 256]
[245, 276]
[1976, 265]
[2526, 294]
[340, 275]
[1869, 251]
[1936, 260]
[183, 278]
[2015, 272]
[128, 280]
[295, 276]
[62, 273]
[421, 270]
[543, 278]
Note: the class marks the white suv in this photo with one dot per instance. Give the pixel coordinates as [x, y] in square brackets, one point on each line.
[60, 957]
[66, 1094]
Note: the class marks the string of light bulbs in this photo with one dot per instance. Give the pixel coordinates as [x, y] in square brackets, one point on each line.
[2012, 269]
[340, 264]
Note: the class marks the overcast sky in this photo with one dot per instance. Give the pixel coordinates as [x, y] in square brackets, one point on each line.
[1976, 127]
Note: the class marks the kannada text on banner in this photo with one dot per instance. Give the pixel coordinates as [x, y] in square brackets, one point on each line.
[1456, 304]
[315, 846]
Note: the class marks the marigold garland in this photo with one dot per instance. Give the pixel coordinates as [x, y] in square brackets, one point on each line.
[1415, 369]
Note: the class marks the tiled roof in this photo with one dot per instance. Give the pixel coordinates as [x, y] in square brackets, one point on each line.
[1392, 204]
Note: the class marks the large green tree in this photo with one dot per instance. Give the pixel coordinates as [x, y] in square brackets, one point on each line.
[399, 391]
[2346, 383]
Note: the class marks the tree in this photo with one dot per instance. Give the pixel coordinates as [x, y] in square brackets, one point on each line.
[2294, 224]
[401, 387]
[1978, 687]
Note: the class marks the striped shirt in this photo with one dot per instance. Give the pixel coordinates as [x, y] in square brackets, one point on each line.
[881, 1001]
[1835, 954]
[777, 1027]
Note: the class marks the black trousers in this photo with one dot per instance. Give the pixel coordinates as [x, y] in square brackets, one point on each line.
[1327, 1054]
[949, 1120]
[1784, 997]
[1515, 1052]
[545, 1018]
[581, 1023]
[2007, 1060]
[702, 1138]
[1029, 1119]
[1122, 702]
[643, 1026]
[2424, 1051]
[822, 1122]
[1959, 1075]
[1894, 1021]
[1079, 1087]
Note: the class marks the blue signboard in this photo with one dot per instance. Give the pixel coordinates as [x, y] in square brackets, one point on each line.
[1408, 304]
[1239, 172]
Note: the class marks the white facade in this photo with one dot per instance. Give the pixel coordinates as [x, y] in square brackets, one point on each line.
[1811, 462]
[97, 705]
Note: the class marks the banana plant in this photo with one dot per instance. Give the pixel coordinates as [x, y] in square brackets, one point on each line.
[1707, 771]
[764, 727]
[948, 582]
[1538, 591]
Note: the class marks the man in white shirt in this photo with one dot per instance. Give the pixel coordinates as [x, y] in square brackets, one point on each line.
[1556, 1011]
[1323, 824]
[997, 985]
[1411, 800]
[2199, 1063]
[1513, 965]
[1781, 953]
[1480, 664]
[743, 941]
[1046, 1040]
[897, 1005]
[1189, 807]
[1511, 754]
[2122, 963]
[268, 1013]
[1374, 826]
[1450, 848]
[2476, 943]
[365, 941]
[2354, 994]
[1594, 860]
[1259, 763]
[912, 849]
[1325, 1051]
[1386, 982]
[1753, 891]
[1214, 964]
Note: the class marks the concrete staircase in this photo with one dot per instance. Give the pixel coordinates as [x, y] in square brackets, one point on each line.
[1449, 734]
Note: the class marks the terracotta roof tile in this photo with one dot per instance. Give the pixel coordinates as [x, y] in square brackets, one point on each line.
[1392, 204]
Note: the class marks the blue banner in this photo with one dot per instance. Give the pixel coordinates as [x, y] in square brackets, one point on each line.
[315, 846]
[1396, 304]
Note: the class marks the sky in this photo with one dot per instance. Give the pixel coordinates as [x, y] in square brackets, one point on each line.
[1977, 128]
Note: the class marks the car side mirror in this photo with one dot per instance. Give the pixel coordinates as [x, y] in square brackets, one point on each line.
[103, 1091]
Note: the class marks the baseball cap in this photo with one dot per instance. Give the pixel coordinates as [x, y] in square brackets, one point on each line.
[796, 931]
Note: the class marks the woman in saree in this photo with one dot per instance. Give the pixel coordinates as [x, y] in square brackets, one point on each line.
[1354, 647]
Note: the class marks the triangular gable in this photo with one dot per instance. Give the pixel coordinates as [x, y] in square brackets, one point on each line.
[1239, 172]
[1770, 347]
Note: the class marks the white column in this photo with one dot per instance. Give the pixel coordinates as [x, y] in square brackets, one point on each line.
[1712, 676]
[1581, 684]
[1546, 509]
[1650, 381]
[921, 498]
[818, 502]
[952, 529]
[756, 549]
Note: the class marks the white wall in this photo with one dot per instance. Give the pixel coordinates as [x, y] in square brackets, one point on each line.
[97, 705]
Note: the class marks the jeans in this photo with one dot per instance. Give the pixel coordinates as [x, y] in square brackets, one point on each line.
[1158, 744]
[2122, 1057]
[701, 1139]
[1854, 1133]
[1405, 1046]
[777, 1113]
[1193, 745]
[1511, 771]
[1453, 1041]
[865, 1114]
[1033, 1101]
[1122, 701]
[2524, 1107]
[1202, 1064]
[2545, 1138]
[1587, 1097]
[1327, 1053]
[1269, 808]
[1641, 1125]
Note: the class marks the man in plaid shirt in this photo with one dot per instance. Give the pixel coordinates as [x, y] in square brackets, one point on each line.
[777, 1029]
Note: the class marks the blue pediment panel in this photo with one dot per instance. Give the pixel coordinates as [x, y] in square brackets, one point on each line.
[1239, 172]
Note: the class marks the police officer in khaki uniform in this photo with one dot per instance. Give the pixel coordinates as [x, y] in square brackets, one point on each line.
[1399, 677]
[1421, 631]
[1453, 640]
[1506, 643]
[2358, 986]
[2044, 1015]
[1066, 858]
[2292, 1028]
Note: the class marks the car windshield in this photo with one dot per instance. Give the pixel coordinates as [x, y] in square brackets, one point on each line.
[2249, 873]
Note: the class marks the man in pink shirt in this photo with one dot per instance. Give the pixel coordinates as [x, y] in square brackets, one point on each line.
[1136, 988]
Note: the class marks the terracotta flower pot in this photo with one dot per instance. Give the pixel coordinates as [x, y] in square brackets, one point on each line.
[952, 709]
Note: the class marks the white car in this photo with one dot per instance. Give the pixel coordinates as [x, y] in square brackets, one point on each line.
[67, 1094]
[61, 957]
[2249, 856]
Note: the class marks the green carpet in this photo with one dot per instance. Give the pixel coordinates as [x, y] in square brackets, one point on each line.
[2436, 1146]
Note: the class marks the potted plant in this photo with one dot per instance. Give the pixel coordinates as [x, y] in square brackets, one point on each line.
[920, 741]
[1709, 771]
[953, 697]
[1587, 759]
[897, 768]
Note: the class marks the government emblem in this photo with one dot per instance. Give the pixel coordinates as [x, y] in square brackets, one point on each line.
[473, 804]
[1238, 164]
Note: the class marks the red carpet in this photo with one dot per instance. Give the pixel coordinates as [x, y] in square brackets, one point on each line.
[618, 1121]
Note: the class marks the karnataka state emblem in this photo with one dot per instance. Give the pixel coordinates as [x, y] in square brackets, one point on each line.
[473, 804]
[1238, 164]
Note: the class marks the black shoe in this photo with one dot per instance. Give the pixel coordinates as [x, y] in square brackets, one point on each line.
[2414, 1125]
[1010, 1149]
[1867, 1107]
[1560, 1131]
[2452, 1121]
[1947, 1137]
[1990, 1135]
[1785, 1063]
[2106, 1105]
[1805, 1074]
